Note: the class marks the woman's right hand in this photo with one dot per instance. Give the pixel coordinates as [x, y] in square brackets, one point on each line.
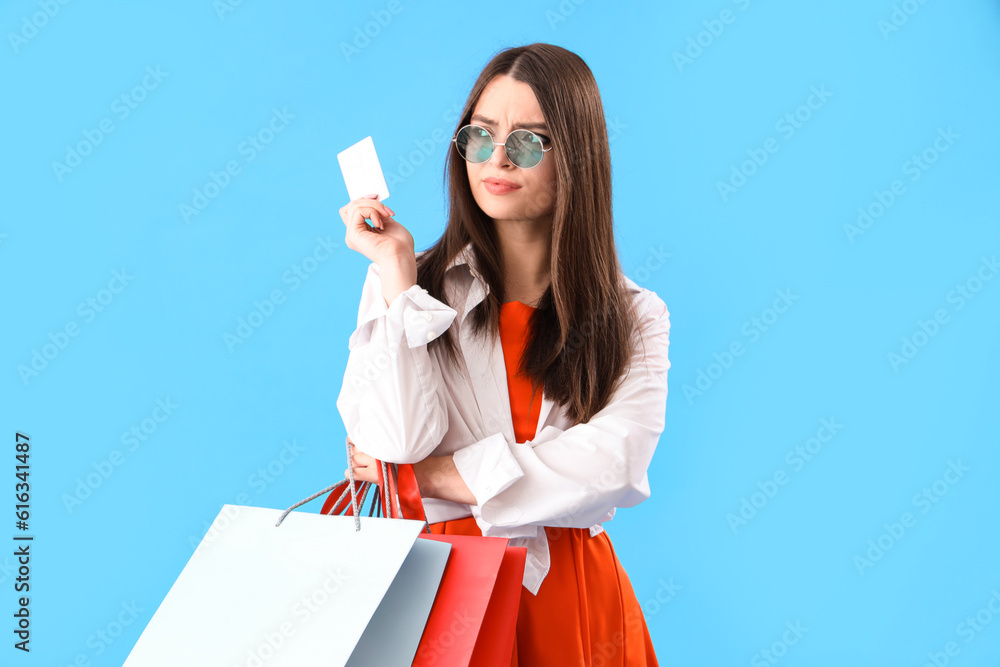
[387, 241]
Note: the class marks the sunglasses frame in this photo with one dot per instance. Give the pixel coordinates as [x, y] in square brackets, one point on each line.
[497, 143]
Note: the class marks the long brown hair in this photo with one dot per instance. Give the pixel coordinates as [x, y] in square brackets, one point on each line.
[581, 331]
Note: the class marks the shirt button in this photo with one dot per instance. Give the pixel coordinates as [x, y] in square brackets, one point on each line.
[428, 317]
[430, 335]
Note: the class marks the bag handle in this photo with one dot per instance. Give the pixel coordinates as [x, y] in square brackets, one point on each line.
[408, 493]
[400, 492]
[396, 482]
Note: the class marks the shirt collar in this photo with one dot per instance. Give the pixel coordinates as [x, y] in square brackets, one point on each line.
[466, 256]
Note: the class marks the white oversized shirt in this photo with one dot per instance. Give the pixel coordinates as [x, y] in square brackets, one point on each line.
[401, 402]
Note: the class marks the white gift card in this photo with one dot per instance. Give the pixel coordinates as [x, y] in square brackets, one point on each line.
[361, 170]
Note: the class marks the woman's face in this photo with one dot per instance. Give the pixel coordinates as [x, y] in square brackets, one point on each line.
[505, 105]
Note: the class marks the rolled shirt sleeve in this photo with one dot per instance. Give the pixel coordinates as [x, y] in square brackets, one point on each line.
[577, 477]
[392, 399]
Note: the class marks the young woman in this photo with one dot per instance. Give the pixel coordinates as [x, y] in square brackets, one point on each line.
[513, 363]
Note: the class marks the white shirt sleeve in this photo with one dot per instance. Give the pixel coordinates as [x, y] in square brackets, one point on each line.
[575, 478]
[392, 400]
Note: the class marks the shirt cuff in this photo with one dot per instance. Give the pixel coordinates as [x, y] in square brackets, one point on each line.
[488, 468]
[421, 317]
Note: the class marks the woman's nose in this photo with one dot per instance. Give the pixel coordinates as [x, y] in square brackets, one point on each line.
[499, 157]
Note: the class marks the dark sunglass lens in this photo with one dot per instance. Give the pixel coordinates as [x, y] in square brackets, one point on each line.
[524, 148]
[474, 144]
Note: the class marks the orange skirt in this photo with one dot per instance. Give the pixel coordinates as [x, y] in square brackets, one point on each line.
[585, 614]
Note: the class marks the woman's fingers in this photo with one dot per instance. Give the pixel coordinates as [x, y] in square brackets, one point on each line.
[355, 212]
[383, 240]
[362, 474]
[364, 466]
[361, 460]
[374, 210]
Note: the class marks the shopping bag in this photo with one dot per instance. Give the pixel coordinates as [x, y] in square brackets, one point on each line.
[393, 634]
[474, 617]
[313, 590]
[495, 646]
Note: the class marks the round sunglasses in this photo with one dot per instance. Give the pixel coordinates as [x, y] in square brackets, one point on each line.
[523, 147]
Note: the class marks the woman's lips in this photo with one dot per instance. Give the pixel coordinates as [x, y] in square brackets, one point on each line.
[498, 186]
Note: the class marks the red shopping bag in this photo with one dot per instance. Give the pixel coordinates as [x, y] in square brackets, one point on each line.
[474, 617]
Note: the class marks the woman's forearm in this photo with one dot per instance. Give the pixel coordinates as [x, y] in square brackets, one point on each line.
[438, 477]
[397, 275]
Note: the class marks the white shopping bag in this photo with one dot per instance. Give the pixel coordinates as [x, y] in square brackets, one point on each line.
[312, 591]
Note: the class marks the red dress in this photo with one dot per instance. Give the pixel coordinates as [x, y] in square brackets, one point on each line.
[586, 613]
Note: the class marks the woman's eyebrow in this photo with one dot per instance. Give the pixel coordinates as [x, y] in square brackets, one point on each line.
[492, 123]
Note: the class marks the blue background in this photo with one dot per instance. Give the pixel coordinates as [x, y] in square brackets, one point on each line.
[715, 591]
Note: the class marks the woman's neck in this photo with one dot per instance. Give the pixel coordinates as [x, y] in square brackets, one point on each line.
[526, 263]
